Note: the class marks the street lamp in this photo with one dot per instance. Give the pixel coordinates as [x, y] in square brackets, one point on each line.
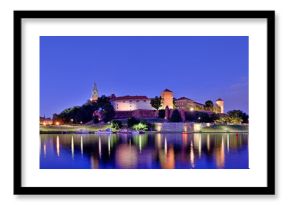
[72, 120]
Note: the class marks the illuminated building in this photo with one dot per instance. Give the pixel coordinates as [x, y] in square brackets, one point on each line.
[167, 99]
[130, 103]
[134, 103]
[187, 104]
[95, 94]
[220, 104]
[45, 121]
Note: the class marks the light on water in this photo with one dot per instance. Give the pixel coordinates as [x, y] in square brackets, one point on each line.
[145, 151]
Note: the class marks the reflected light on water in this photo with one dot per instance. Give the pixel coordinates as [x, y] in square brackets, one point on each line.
[57, 146]
[109, 145]
[72, 147]
[199, 146]
[165, 146]
[207, 142]
[140, 145]
[44, 150]
[100, 147]
[191, 155]
[94, 162]
[82, 146]
[168, 161]
[126, 156]
[228, 142]
[220, 155]
[159, 140]
[184, 139]
[148, 151]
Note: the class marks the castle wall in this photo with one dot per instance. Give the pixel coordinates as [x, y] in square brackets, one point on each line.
[130, 105]
[178, 127]
[167, 100]
[139, 114]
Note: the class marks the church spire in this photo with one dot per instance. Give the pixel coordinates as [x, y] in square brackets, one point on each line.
[95, 94]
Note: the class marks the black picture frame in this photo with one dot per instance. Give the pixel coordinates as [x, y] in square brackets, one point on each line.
[268, 190]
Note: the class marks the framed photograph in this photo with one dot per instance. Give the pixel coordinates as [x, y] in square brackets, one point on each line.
[144, 102]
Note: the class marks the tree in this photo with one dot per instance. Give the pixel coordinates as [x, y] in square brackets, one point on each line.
[161, 113]
[132, 121]
[174, 103]
[109, 112]
[175, 117]
[116, 125]
[102, 101]
[239, 114]
[140, 126]
[84, 113]
[156, 102]
[208, 105]
[229, 119]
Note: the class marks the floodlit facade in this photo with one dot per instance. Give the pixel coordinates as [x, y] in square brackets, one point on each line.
[167, 99]
[95, 93]
[130, 103]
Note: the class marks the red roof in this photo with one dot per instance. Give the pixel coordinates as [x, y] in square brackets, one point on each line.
[185, 98]
[128, 97]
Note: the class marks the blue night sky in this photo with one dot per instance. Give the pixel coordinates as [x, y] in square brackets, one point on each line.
[198, 67]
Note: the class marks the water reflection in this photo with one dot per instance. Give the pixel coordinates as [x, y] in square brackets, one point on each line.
[146, 151]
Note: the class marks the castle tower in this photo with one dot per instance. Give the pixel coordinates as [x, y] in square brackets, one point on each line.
[220, 103]
[167, 99]
[95, 94]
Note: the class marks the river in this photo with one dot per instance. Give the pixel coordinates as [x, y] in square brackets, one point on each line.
[145, 151]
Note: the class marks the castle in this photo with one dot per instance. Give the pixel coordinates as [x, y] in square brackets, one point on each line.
[140, 105]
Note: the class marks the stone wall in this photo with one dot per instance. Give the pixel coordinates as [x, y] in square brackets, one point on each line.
[178, 127]
[139, 114]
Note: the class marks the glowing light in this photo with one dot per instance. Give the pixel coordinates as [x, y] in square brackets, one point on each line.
[109, 145]
[126, 156]
[100, 147]
[228, 142]
[44, 123]
[158, 138]
[140, 145]
[184, 128]
[191, 109]
[57, 123]
[44, 150]
[199, 146]
[72, 147]
[191, 155]
[57, 146]
[158, 127]
[220, 155]
[82, 146]
[165, 146]
[208, 142]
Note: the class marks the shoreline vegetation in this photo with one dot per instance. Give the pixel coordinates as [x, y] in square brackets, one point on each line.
[92, 129]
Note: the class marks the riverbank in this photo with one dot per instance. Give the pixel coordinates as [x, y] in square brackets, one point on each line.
[225, 128]
[67, 129]
[91, 129]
